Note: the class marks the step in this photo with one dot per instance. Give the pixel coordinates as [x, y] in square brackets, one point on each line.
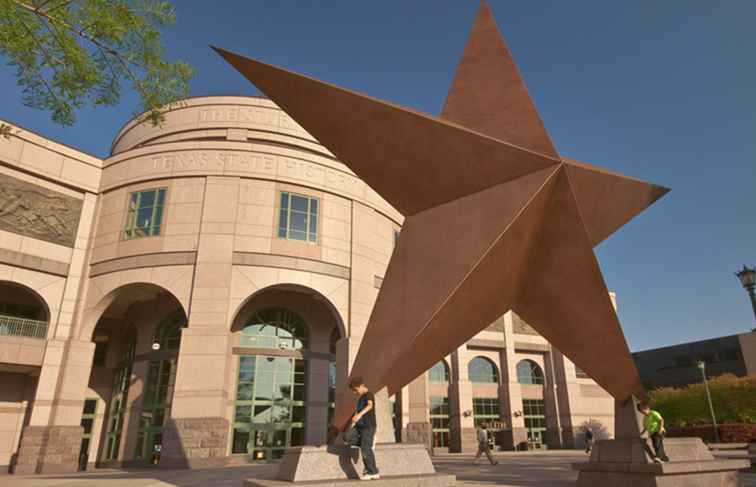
[432, 480]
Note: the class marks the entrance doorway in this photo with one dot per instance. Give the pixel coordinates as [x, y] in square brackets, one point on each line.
[270, 406]
[534, 412]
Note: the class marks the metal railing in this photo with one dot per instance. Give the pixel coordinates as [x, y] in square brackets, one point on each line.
[22, 327]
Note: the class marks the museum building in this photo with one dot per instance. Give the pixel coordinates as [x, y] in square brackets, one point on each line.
[197, 298]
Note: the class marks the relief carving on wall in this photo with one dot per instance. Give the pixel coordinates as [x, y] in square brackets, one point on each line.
[34, 211]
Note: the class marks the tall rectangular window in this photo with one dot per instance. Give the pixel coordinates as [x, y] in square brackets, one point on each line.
[298, 217]
[145, 213]
[485, 410]
[439, 417]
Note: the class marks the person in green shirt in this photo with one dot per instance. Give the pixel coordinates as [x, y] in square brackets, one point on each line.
[653, 424]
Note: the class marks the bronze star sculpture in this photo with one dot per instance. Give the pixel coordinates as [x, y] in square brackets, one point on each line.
[495, 218]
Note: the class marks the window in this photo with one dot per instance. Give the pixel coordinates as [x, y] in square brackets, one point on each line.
[534, 413]
[145, 213]
[275, 328]
[482, 370]
[168, 333]
[486, 410]
[269, 413]
[118, 399]
[156, 406]
[298, 219]
[528, 372]
[439, 372]
[439, 417]
[87, 422]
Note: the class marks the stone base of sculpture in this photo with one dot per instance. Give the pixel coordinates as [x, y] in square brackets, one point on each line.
[627, 462]
[400, 465]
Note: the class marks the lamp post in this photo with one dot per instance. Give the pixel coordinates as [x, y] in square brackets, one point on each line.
[702, 368]
[747, 277]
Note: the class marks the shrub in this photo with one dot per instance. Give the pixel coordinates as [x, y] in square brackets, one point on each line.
[728, 433]
[733, 398]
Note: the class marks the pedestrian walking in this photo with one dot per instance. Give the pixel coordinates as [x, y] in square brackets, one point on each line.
[588, 439]
[364, 421]
[483, 445]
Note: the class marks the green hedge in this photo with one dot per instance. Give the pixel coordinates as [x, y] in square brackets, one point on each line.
[734, 400]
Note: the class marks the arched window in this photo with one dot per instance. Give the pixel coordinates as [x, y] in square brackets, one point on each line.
[168, 332]
[275, 328]
[439, 372]
[482, 370]
[528, 372]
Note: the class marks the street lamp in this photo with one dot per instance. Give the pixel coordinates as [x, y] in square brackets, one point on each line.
[702, 368]
[747, 277]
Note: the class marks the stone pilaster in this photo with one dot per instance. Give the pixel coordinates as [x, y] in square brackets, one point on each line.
[462, 424]
[195, 443]
[198, 429]
[48, 449]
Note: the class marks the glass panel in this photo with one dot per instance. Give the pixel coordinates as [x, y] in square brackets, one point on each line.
[144, 218]
[90, 406]
[161, 197]
[297, 235]
[262, 414]
[87, 424]
[243, 414]
[284, 200]
[313, 224]
[298, 222]
[244, 392]
[240, 441]
[299, 203]
[314, 206]
[147, 199]
[282, 223]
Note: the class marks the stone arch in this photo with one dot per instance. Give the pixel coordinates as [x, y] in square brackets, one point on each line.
[33, 293]
[122, 295]
[440, 369]
[483, 370]
[529, 373]
[237, 316]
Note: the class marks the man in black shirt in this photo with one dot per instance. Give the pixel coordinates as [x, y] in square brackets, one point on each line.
[364, 421]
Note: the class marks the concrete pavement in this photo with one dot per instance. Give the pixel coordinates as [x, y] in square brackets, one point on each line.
[542, 469]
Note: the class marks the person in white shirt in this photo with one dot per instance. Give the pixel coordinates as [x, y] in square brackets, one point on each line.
[483, 446]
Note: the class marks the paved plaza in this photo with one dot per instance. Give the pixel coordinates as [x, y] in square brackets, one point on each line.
[544, 469]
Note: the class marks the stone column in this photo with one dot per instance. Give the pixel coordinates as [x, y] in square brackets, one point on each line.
[316, 431]
[419, 429]
[197, 433]
[461, 405]
[51, 441]
[511, 390]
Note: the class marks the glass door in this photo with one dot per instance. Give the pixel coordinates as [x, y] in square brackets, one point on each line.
[270, 406]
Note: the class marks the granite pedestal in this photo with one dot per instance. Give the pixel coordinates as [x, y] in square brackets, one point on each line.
[405, 465]
[626, 462]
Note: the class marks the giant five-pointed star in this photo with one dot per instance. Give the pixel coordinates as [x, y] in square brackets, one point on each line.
[495, 218]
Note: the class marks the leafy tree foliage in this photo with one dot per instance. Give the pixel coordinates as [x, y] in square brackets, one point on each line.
[72, 53]
[733, 398]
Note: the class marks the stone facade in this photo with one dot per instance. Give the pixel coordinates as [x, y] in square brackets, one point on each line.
[51, 449]
[92, 275]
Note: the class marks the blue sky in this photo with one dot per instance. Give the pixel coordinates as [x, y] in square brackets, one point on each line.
[662, 91]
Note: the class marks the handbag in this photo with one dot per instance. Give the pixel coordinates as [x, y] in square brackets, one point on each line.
[351, 436]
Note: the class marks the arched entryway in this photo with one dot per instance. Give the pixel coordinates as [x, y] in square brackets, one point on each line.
[23, 313]
[284, 354]
[137, 340]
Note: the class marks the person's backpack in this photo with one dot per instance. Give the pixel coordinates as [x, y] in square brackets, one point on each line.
[351, 436]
